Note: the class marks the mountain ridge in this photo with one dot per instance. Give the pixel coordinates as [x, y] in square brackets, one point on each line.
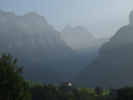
[113, 66]
[38, 47]
[82, 41]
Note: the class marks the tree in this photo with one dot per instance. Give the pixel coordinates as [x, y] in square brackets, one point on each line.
[52, 87]
[76, 95]
[37, 91]
[74, 86]
[98, 91]
[12, 85]
[110, 89]
[61, 95]
[125, 93]
[85, 95]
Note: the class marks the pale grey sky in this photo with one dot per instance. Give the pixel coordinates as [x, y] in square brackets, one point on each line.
[101, 17]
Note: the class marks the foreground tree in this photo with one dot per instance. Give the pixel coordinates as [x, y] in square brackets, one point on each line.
[48, 92]
[98, 91]
[110, 89]
[85, 95]
[12, 85]
[75, 95]
[125, 93]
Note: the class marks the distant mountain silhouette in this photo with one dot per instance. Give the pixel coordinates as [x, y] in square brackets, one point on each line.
[82, 42]
[38, 47]
[114, 65]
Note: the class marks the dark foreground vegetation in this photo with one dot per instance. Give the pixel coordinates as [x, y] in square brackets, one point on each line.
[52, 93]
[14, 87]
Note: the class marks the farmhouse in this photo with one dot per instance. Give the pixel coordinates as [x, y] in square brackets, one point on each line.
[66, 85]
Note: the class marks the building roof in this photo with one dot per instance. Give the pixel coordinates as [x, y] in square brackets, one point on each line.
[66, 83]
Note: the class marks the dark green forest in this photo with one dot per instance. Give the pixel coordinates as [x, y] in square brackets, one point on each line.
[14, 87]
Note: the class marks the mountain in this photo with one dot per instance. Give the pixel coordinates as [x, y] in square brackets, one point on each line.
[38, 47]
[82, 42]
[114, 65]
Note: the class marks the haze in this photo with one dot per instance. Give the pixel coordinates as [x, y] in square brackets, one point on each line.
[100, 17]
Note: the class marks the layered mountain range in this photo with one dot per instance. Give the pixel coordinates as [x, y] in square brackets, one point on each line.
[38, 47]
[114, 65]
[82, 42]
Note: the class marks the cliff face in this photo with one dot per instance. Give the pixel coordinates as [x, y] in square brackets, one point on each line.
[114, 65]
[29, 34]
[82, 42]
[38, 47]
[77, 38]
[29, 30]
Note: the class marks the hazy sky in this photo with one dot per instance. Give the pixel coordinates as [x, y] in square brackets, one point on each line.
[101, 17]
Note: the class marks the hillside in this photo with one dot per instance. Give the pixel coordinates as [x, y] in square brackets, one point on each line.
[105, 92]
[82, 42]
[114, 64]
[38, 47]
[31, 84]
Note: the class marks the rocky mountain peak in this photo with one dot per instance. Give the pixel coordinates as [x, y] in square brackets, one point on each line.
[1, 11]
[31, 14]
[37, 22]
[76, 30]
[35, 43]
[80, 27]
[30, 21]
[67, 28]
[122, 37]
[131, 17]
[7, 13]
[82, 42]
[114, 65]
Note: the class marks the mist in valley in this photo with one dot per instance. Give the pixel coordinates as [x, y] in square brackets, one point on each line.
[88, 43]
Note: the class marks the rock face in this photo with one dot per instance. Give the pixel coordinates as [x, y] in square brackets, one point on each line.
[114, 65]
[82, 42]
[38, 47]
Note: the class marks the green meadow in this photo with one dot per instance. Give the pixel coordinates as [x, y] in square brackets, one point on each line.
[105, 92]
[33, 83]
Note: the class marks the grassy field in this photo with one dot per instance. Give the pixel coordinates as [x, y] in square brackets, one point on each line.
[32, 83]
[105, 92]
